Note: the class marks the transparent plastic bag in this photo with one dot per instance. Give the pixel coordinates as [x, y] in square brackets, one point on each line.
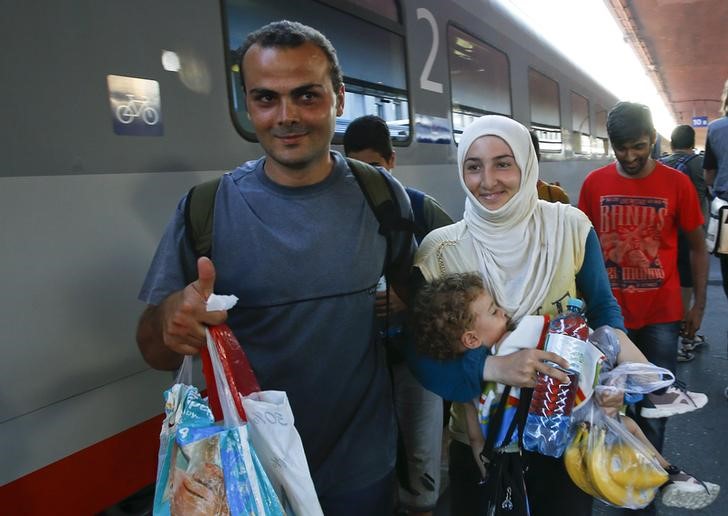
[605, 340]
[184, 373]
[607, 462]
[637, 378]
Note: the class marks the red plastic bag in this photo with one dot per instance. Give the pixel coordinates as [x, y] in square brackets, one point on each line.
[238, 372]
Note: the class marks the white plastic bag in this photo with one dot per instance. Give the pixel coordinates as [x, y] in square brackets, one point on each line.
[716, 236]
[279, 447]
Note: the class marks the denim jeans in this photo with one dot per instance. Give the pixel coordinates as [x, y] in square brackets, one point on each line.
[724, 272]
[659, 344]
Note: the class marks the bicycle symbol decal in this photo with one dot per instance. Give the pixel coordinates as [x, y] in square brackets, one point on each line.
[137, 107]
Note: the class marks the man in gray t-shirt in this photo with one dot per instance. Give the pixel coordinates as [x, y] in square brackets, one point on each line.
[716, 166]
[296, 241]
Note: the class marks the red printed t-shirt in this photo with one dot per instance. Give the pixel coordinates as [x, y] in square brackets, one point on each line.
[637, 221]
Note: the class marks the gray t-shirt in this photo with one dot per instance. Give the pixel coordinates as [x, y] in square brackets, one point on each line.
[304, 263]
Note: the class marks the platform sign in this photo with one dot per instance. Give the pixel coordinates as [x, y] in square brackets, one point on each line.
[700, 121]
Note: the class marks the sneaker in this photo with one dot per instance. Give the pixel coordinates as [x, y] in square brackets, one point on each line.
[684, 355]
[693, 344]
[675, 400]
[687, 492]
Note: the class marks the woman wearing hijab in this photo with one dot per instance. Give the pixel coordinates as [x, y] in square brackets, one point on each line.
[532, 255]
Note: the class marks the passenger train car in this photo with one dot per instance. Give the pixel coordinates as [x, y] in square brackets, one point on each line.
[112, 110]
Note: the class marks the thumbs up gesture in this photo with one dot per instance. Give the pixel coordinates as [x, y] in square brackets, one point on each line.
[185, 314]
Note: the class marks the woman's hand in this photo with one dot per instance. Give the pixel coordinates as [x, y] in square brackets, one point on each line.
[520, 369]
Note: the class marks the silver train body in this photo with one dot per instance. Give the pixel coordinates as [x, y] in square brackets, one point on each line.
[112, 110]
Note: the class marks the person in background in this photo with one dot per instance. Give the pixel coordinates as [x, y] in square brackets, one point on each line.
[636, 206]
[683, 158]
[715, 164]
[419, 411]
[295, 240]
[550, 192]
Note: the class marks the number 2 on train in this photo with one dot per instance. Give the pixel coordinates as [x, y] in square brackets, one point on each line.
[425, 82]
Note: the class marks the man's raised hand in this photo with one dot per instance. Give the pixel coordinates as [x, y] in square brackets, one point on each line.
[185, 315]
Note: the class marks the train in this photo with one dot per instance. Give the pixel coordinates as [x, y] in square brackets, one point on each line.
[113, 110]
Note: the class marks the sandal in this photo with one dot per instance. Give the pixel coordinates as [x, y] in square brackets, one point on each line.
[684, 356]
[693, 344]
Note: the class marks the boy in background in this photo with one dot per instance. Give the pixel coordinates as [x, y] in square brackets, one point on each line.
[419, 412]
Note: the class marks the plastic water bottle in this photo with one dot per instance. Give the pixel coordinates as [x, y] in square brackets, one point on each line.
[547, 425]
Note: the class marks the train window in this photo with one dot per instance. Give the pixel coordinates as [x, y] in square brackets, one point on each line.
[479, 79]
[580, 142]
[543, 95]
[600, 131]
[384, 7]
[375, 86]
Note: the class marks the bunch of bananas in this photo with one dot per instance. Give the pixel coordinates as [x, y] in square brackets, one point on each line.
[619, 474]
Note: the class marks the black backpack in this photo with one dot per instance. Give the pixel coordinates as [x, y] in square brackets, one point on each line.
[679, 162]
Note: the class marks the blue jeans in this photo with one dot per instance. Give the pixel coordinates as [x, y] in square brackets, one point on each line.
[659, 344]
[724, 272]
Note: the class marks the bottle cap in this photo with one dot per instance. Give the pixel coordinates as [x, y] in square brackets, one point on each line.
[575, 304]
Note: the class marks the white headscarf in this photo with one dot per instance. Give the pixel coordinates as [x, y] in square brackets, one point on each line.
[519, 244]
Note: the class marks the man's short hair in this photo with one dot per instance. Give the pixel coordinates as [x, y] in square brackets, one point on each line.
[291, 34]
[368, 132]
[442, 313]
[629, 121]
[682, 137]
[724, 100]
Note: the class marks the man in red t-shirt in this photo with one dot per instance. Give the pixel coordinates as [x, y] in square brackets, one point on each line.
[637, 205]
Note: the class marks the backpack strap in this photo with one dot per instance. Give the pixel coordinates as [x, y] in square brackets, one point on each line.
[377, 189]
[683, 160]
[679, 162]
[417, 199]
[199, 209]
[495, 420]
